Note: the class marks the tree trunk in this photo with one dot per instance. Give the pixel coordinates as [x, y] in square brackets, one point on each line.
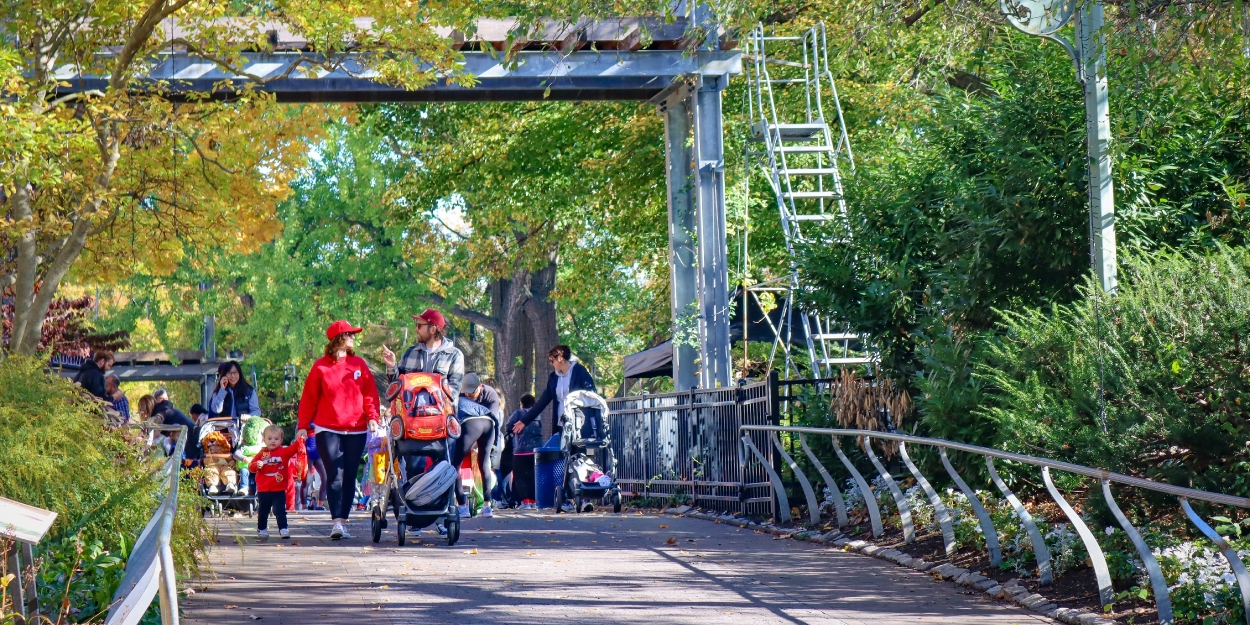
[508, 298]
[541, 312]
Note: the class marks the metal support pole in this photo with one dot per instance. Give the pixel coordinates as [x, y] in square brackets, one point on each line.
[1045, 18]
[1093, 54]
[683, 273]
[709, 151]
[168, 585]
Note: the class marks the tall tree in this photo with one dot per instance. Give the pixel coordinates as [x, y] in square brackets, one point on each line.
[131, 178]
[544, 201]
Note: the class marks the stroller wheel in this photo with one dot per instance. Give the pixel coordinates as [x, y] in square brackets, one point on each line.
[616, 501]
[453, 532]
[559, 498]
[577, 504]
[401, 532]
[377, 520]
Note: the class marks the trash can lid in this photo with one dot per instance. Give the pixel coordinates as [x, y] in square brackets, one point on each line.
[552, 444]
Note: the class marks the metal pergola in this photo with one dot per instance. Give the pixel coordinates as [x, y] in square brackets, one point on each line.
[593, 60]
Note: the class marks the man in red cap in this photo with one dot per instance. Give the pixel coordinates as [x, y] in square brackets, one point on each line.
[433, 353]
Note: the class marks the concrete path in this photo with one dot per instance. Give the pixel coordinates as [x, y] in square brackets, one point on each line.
[529, 567]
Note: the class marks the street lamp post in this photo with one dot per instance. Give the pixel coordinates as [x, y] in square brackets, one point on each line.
[1044, 18]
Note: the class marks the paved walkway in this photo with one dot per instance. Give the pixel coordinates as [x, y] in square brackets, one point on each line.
[532, 568]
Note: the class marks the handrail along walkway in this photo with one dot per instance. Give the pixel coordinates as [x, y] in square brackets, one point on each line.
[1105, 478]
[150, 568]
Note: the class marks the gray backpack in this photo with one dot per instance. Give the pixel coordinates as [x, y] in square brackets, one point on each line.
[430, 486]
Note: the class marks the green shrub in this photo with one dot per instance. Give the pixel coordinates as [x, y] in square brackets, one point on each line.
[1174, 353]
[56, 453]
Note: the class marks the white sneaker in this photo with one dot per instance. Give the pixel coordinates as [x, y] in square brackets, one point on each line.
[442, 531]
[337, 532]
[486, 513]
[345, 534]
[464, 512]
[285, 533]
[262, 534]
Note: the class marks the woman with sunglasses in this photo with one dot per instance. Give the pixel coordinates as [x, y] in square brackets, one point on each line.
[569, 376]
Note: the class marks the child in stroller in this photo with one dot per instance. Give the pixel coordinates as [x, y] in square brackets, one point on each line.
[589, 463]
[221, 439]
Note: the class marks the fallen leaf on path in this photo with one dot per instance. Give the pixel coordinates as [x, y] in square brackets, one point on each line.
[295, 544]
[384, 586]
[481, 529]
[254, 617]
[525, 540]
[531, 553]
[375, 608]
[230, 607]
[325, 563]
[472, 552]
[672, 540]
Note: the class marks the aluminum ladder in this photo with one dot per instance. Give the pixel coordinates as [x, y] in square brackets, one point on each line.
[788, 77]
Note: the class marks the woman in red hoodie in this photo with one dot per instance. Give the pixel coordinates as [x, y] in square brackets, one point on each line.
[340, 403]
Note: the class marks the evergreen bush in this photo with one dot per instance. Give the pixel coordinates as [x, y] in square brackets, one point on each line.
[57, 453]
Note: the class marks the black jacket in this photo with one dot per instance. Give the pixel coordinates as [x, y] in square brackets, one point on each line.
[580, 381]
[91, 378]
[166, 414]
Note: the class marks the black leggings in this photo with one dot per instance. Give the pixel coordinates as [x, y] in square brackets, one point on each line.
[267, 501]
[482, 432]
[341, 454]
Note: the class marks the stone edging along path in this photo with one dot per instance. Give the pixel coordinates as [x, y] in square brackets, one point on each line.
[1012, 591]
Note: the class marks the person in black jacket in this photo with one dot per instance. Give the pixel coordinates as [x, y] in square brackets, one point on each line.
[568, 376]
[165, 413]
[91, 375]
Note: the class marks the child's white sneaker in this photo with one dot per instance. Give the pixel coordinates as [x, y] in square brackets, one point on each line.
[464, 512]
[338, 531]
[284, 532]
[262, 534]
[486, 513]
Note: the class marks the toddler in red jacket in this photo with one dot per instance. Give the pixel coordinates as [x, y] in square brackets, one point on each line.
[272, 468]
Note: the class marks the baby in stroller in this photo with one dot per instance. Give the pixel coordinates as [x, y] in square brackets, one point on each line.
[219, 438]
[589, 463]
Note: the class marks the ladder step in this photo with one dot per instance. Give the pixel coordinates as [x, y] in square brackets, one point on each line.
[864, 360]
[802, 149]
[818, 217]
[810, 172]
[837, 337]
[811, 195]
[788, 132]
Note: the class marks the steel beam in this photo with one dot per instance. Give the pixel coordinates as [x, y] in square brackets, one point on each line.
[683, 273]
[550, 75]
[709, 154]
[1093, 56]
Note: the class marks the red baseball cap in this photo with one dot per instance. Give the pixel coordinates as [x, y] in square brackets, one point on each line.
[433, 317]
[340, 327]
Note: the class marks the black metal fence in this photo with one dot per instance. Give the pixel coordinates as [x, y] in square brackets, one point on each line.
[686, 444]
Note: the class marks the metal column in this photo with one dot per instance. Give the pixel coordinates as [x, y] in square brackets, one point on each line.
[1093, 54]
[709, 153]
[683, 273]
[1045, 18]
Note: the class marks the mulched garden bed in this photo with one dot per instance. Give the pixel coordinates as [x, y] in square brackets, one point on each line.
[1075, 589]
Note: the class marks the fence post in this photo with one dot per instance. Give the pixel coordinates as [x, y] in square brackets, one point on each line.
[774, 418]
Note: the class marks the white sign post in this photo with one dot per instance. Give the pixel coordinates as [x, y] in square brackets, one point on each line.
[26, 526]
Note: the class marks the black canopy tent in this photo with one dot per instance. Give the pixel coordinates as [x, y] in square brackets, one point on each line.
[657, 361]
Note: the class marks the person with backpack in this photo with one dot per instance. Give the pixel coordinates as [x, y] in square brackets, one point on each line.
[340, 403]
[433, 353]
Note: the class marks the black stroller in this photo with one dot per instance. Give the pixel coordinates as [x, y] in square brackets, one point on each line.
[419, 497]
[585, 478]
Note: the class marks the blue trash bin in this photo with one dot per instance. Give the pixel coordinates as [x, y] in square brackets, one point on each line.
[548, 469]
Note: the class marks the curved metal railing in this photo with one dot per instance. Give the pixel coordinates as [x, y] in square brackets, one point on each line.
[1042, 553]
[150, 569]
